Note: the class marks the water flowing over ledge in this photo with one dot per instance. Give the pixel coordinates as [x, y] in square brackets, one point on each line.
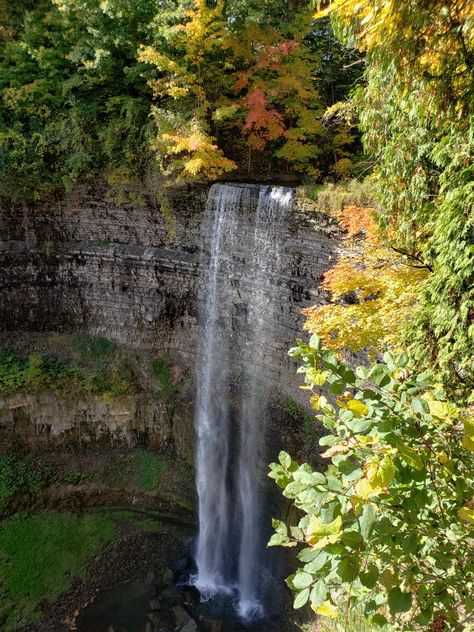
[230, 428]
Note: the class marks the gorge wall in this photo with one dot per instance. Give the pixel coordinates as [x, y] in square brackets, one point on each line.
[90, 263]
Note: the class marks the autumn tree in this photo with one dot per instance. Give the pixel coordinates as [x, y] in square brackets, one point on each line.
[147, 88]
[215, 70]
[417, 118]
[373, 289]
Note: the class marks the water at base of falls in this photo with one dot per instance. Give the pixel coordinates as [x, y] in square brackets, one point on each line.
[245, 225]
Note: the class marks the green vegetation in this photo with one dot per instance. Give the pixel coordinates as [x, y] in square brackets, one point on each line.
[27, 475]
[137, 90]
[94, 347]
[41, 554]
[297, 413]
[140, 91]
[43, 372]
[147, 468]
[162, 372]
[390, 525]
[417, 121]
[20, 476]
[165, 388]
[332, 197]
[355, 622]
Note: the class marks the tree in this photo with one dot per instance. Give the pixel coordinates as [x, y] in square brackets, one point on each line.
[73, 100]
[417, 119]
[175, 88]
[374, 289]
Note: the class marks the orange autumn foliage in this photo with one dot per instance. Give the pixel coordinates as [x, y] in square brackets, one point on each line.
[373, 289]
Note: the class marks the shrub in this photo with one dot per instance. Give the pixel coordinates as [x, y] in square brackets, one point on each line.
[390, 525]
[41, 372]
[333, 197]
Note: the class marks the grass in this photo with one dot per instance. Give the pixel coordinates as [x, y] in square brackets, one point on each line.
[40, 554]
[148, 468]
[332, 197]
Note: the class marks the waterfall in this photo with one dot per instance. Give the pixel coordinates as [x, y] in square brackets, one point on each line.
[230, 420]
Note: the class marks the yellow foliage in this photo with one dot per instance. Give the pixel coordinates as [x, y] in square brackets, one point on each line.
[431, 39]
[380, 472]
[318, 533]
[364, 490]
[327, 609]
[468, 438]
[198, 156]
[466, 514]
[373, 288]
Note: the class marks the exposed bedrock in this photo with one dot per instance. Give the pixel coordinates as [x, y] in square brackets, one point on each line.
[88, 263]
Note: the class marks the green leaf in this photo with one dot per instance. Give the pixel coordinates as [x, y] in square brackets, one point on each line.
[328, 440]
[308, 555]
[277, 540]
[389, 361]
[296, 533]
[285, 459]
[301, 599]
[289, 582]
[329, 511]
[411, 457]
[280, 527]
[317, 564]
[359, 426]
[337, 387]
[318, 594]
[377, 373]
[380, 620]
[367, 519]
[419, 405]
[402, 360]
[368, 578]
[309, 478]
[294, 488]
[399, 601]
[347, 568]
[352, 539]
[302, 580]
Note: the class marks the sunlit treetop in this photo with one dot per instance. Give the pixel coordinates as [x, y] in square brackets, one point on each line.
[431, 41]
[373, 290]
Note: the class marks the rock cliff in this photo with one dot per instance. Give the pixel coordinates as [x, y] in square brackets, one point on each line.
[131, 273]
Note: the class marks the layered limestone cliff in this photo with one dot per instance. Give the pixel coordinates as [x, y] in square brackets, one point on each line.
[132, 273]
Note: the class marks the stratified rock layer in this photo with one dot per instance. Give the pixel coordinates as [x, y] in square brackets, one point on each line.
[88, 263]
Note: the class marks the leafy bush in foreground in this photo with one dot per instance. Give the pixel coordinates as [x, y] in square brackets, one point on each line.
[390, 524]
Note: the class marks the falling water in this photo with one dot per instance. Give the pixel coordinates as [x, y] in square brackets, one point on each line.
[230, 435]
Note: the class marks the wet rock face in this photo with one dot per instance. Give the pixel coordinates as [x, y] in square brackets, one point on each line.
[88, 263]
